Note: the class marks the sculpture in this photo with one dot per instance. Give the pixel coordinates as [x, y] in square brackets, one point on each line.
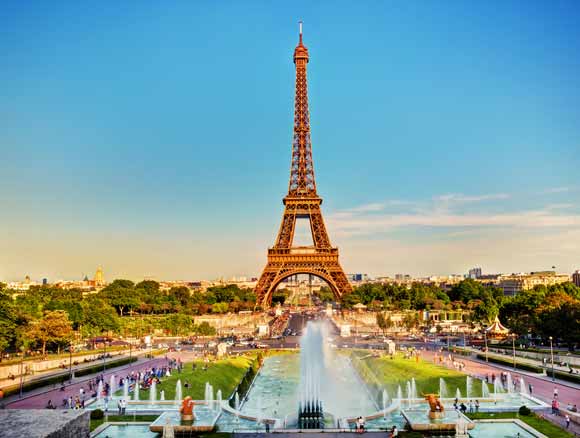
[436, 408]
[186, 409]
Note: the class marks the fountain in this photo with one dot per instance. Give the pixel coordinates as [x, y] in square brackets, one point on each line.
[469, 387]
[385, 401]
[219, 399]
[162, 395]
[523, 387]
[409, 392]
[136, 391]
[153, 392]
[310, 410]
[112, 385]
[509, 384]
[443, 391]
[99, 392]
[178, 392]
[484, 389]
[208, 396]
[437, 420]
[399, 394]
[497, 388]
[168, 431]
[126, 389]
[237, 401]
[458, 394]
[414, 394]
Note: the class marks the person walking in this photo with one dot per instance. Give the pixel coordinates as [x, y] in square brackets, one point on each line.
[555, 392]
[567, 418]
[530, 388]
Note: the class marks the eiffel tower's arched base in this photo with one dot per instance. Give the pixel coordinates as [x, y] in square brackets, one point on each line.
[282, 266]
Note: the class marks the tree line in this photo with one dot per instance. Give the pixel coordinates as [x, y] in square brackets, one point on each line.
[46, 316]
[538, 313]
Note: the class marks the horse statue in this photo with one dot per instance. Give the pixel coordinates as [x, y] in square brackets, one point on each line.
[186, 409]
[436, 409]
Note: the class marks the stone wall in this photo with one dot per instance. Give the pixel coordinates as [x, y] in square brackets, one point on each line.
[44, 423]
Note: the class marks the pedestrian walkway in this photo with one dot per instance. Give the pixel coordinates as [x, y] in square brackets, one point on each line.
[525, 360]
[543, 388]
[38, 398]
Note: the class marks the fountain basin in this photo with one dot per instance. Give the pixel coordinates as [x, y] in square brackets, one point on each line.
[205, 420]
[419, 420]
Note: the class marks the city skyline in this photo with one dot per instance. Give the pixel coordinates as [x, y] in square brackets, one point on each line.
[120, 151]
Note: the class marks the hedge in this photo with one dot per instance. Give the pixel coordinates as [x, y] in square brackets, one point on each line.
[112, 364]
[37, 383]
[564, 376]
[559, 352]
[246, 382]
[510, 363]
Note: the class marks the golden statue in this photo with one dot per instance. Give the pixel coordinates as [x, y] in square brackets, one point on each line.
[436, 408]
[186, 409]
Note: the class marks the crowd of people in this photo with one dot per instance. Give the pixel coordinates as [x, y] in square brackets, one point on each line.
[143, 378]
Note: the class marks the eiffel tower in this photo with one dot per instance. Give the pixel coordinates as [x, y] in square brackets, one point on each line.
[302, 202]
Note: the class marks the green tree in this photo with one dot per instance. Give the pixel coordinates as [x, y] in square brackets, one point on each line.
[7, 320]
[99, 317]
[204, 329]
[54, 326]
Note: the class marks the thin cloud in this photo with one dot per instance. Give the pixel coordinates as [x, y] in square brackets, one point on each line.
[555, 190]
[365, 224]
[459, 197]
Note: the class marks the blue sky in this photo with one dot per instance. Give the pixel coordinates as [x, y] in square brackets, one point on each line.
[154, 138]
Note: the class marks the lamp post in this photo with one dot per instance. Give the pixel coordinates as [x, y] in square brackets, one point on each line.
[70, 361]
[485, 340]
[552, 357]
[104, 354]
[514, 349]
[22, 349]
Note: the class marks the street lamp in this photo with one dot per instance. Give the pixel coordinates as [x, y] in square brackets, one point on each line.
[485, 340]
[552, 357]
[22, 349]
[70, 361]
[104, 354]
[514, 348]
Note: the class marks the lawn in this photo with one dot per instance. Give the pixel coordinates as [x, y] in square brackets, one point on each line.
[389, 373]
[541, 425]
[224, 374]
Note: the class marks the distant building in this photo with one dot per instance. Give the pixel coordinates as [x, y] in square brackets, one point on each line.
[44, 281]
[514, 283]
[358, 277]
[576, 278]
[474, 273]
[402, 278]
[99, 277]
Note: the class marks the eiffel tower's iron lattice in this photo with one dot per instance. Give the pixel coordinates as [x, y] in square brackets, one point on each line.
[302, 202]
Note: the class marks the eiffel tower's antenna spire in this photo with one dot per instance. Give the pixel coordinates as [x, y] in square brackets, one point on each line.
[302, 181]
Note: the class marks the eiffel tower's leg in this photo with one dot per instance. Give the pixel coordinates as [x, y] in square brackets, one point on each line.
[286, 233]
[319, 234]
